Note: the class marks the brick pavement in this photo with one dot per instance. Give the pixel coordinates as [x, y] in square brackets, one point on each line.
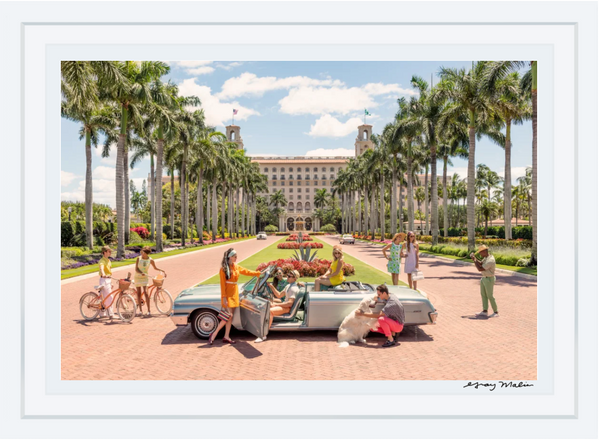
[457, 348]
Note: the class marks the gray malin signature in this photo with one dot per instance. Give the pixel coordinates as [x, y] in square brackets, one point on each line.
[491, 386]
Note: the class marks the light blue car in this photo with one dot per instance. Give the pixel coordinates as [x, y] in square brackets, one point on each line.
[324, 310]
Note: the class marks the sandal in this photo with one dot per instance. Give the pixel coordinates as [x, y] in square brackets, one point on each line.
[228, 341]
[211, 339]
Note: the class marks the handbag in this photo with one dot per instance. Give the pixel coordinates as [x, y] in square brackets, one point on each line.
[417, 275]
[224, 315]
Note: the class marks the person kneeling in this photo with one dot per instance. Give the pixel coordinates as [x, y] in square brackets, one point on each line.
[290, 291]
[391, 317]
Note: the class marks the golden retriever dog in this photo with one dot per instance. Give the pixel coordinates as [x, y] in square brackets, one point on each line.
[353, 328]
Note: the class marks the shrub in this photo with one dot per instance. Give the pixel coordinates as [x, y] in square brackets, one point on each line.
[316, 233]
[329, 228]
[299, 245]
[523, 262]
[141, 231]
[282, 233]
[294, 237]
[67, 232]
[271, 228]
[134, 237]
[164, 237]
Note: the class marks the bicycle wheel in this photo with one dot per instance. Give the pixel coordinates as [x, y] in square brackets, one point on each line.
[163, 301]
[126, 307]
[89, 305]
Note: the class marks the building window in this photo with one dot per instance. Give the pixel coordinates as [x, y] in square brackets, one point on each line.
[283, 183]
[291, 177]
[275, 183]
[274, 170]
[291, 197]
[315, 169]
[274, 177]
[331, 170]
[282, 190]
[307, 198]
[291, 190]
[282, 170]
[299, 169]
[332, 177]
[365, 135]
[282, 177]
[315, 177]
[291, 170]
[316, 182]
[307, 189]
[324, 183]
[324, 169]
[266, 170]
[323, 177]
[291, 183]
[307, 169]
[307, 177]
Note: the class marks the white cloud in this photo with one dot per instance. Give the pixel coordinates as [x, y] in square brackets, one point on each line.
[328, 126]
[103, 191]
[201, 70]
[66, 178]
[197, 67]
[102, 172]
[515, 173]
[250, 84]
[112, 157]
[333, 152]
[216, 112]
[340, 100]
[229, 66]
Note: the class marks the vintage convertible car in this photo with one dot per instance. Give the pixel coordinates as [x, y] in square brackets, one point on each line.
[324, 310]
[262, 235]
[346, 239]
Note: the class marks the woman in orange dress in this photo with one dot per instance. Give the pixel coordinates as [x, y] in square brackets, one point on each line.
[230, 299]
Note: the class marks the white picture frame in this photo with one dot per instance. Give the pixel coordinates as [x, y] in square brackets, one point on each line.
[561, 36]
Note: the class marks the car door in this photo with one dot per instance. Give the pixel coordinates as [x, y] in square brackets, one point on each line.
[254, 314]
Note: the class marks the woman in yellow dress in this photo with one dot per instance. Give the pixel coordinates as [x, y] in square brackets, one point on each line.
[142, 264]
[230, 299]
[335, 273]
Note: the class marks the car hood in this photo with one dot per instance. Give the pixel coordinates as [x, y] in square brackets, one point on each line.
[202, 290]
[405, 293]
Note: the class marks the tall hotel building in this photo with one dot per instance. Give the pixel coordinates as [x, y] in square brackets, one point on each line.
[299, 178]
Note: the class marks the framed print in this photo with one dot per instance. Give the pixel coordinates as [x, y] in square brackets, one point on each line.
[300, 125]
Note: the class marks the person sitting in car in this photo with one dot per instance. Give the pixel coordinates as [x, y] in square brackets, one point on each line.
[335, 274]
[290, 291]
[279, 282]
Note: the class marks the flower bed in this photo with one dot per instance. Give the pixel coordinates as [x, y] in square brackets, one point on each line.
[314, 269]
[519, 243]
[294, 237]
[282, 233]
[299, 245]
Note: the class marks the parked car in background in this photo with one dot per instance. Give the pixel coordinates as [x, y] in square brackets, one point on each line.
[261, 235]
[311, 311]
[347, 239]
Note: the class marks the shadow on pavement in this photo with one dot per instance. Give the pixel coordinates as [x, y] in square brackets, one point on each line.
[247, 350]
[475, 317]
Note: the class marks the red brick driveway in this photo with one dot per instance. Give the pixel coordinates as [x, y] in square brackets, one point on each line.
[457, 348]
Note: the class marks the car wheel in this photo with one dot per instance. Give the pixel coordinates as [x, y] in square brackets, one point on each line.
[204, 322]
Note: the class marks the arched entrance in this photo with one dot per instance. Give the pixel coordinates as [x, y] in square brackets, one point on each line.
[308, 223]
[290, 224]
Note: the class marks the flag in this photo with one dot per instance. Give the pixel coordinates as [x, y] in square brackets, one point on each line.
[234, 111]
[367, 113]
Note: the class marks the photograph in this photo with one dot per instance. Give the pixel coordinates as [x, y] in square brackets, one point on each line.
[299, 220]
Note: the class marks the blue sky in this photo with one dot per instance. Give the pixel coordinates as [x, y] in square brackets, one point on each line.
[288, 108]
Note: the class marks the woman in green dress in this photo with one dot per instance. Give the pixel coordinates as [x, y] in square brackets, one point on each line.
[394, 261]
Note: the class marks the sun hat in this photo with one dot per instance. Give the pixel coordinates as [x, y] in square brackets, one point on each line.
[483, 247]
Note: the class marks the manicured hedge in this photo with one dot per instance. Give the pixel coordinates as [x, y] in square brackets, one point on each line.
[524, 232]
[271, 228]
[448, 250]
[492, 242]
[299, 245]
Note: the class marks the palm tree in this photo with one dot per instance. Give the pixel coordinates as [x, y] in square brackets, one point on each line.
[513, 107]
[526, 184]
[145, 145]
[420, 196]
[131, 93]
[321, 198]
[487, 209]
[466, 91]
[94, 119]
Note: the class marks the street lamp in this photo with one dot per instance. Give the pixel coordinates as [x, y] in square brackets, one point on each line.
[70, 209]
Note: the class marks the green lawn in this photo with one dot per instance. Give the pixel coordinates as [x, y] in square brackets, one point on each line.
[70, 273]
[363, 272]
[527, 270]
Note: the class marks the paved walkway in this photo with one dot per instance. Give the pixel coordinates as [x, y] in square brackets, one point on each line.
[457, 348]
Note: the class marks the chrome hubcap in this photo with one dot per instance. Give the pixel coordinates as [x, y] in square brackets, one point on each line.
[206, 323]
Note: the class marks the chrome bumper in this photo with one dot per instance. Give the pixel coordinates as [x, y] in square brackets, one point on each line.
[433, 317]
[179, 319]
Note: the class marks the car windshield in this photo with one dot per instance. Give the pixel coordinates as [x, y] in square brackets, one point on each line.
[262, 280]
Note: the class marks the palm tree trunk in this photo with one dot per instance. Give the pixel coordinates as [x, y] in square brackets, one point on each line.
[243, 213]
[426, 200]
[382, 203]
[410, 200]
[182, 181]
[401, 205]
[152, 201]
[200, 207]
[158, 190]
[89, 201]
[445, 186]
[471, 185]
[434, 198]
[223, 193]
[507, 186]
[230, 211]
[534, 162]
[214, 211]
[237, 212]
[366, 213]
[172, 204]
[126, 192]
[393, 209]
[120, 202]
[373, 212]
[208, 207]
